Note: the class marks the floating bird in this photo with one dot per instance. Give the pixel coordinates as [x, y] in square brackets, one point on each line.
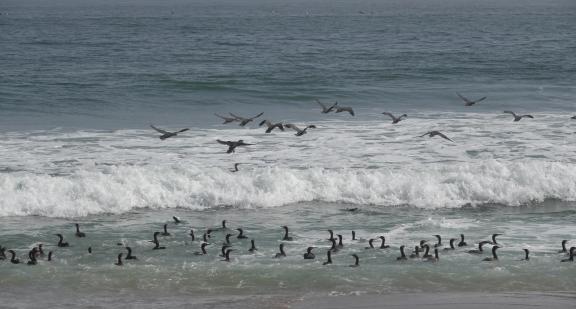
[356, 261]
[40, 250]
[340, 244]
[462, 243]
[156, 242]
[354, 235]
[271, 126]
[571, 258]
[61, 242]
[226, 119]
[202, 248]
[227, 255]
[233, 144]
[228, 238]
[299, 132]
[241, 235]
[526, 257]
[480, 245]
[280, 254]
[325, 109]
[334, 248]
[176, 220]
[223, 250]
[416, 252]
[518, 117]
[119, 261]
[13, 259]
[573, 117]
[437, 133]
[494, 255]
[166, 134]
[395, 119]
[49, 256]
[32, 257]
[329, 256]
[402, 256]
[78, 233]
[383, 244]
[235, 169]
[244, 121]
[89, 250]
[348, 109]
[253, 246]
[434, 258]
[452, 240]
[309, 255]
[370, 244]
[468, 102]
[129, 255]
[494, 242]
[563, 246]
[286, 237]
[427, 252]
[439, 243]
[165, 233]
[331, 235]
[2, 253]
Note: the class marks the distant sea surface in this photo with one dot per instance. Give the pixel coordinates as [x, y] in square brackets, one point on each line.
[81, 81]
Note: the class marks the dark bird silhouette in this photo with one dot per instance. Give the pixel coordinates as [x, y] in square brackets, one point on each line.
[227, 255]
[518, 117]
[395, 119]
[436, 133]
[61, 242]
[348, 109]
[226, 119]
[356, 261]
[526, 255]
[176, 220]
[286, 237]
[119, 260]
[245, 121]
[325, 109]
[235, 169]
[329, 256]
[78, 233]
[129, 255]
[271, 126]
[309, 255]
[166, 134]
[281, 254]
[233, 144]
[253, 246]
[468, 102]
[299, 132]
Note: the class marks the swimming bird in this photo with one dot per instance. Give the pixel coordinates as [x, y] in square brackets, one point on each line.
[191, 234]
[241, 235]
[383, 244]
[331, 234]
[156, 242]
[78, 233]
[329, 256]
[468, 102]
[436, 133]
[119, 261]
[573, 117]
[434, 258]
[271, 126]
[226, 119]
[13, 259]
[165, 233]
[452, 240]
[61, 242]
[416, 253]
[227, 255]
[244, 121]
[286, 237]
[309, 255]
[526, 257]
[227, 237]
[325, 109]
[205, 237]
[166, 134]
[89, 250]
[253, 246]
[32, 257]
[224, 227]
[462, 243]
[494, 242]
[49, 259]
[402, 256]
[354, 235]
[563, 246]
[518, 117]
[299, 132]
[176, 220]
[280, 254]
[427, 252]
[202, 248]
[334, 248]
[479, 250]
[223, 250]
[439, 243]
[233, 144]
[40, 252]
[340, 244]
[356, 261]
[129, 255]
[235, 169]
[494, 255]
[395, 119]
[370, 243]
[348, 109]
[571, 258]
[2, 253]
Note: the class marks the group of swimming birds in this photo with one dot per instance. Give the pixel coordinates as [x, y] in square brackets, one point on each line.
[270, 126]
[424, 250]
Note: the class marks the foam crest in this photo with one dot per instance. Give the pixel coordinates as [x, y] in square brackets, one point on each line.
[118, 189]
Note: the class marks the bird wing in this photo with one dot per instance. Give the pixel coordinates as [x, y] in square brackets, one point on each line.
[237, 117]
[444, 137]
[481, 99]
[268, 123]
[428, 133]
[463, 98]
[528, 116]
[224, 142]
[332, 107]
[311, 126]
[509, 112]
[257, 116]
[389, 115]
[159, 130]
[321, 105]
[184, 130]
[293, 127]
[225, 118]
[403, 116]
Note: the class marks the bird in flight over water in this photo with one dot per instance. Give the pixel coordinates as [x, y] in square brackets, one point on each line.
[437, 133]
[166, 134]
[468, 102]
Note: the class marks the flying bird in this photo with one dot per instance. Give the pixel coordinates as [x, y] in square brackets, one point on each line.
[244, 121]
[348, 109]
[394, 118]
[518, 117]
[325, 109]
[299, 132]
[271, 126]
[166, 134]
[233, 144]
[437, 133]
[226, 119]
[468, 102]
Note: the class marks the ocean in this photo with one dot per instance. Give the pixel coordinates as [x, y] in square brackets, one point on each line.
[82, 81]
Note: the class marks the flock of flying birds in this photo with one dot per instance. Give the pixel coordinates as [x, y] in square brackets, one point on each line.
[424, 250]
[270, 126]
